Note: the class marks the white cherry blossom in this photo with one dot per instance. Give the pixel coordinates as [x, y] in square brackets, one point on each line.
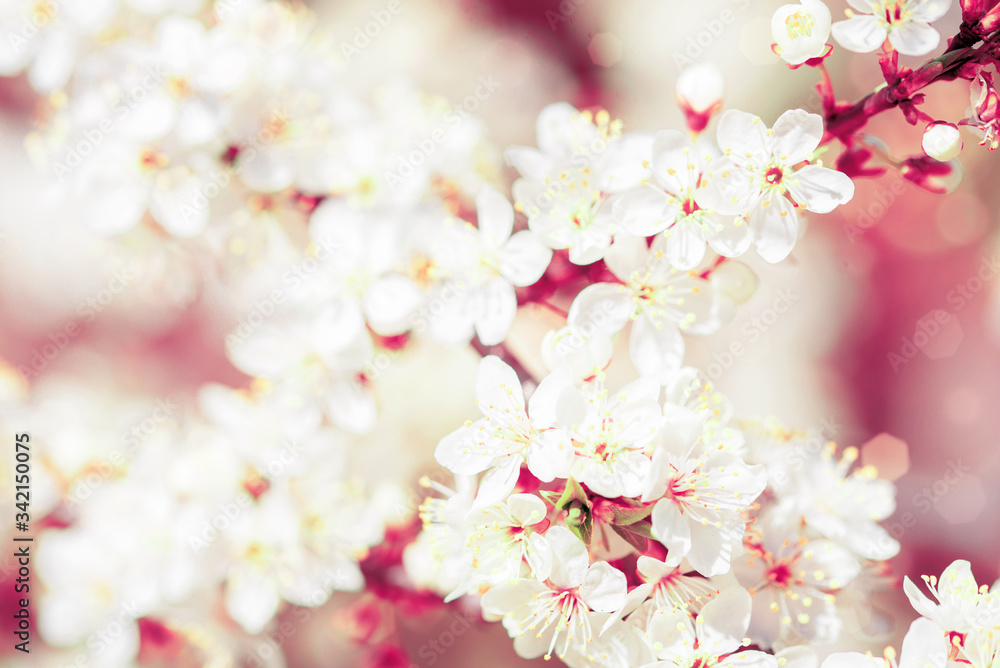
[506, 436]
[700, 497]
[672, 202]
[712, 638]
[660, 300]
[961, 605]
[924, 646]
[905, 23]
[760, 176]
[488, 262]
[550, 617]
[567, 183]
[800, 31]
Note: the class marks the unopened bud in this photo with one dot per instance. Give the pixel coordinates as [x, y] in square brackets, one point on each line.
[942, 141]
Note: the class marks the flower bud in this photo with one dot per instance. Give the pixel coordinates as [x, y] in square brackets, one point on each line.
[699, 92]
[800, 31]
[942, 141]
[735, 280]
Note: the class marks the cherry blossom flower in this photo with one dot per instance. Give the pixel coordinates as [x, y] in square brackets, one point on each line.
[506, 437]
[700, 497]
[760, 176]
[660, 300]
[488, 262]
[924, 646]
[550, 617]
[984, 116]
[793, 581]
[844, 507]
[711, 639]
[800, 31]
[961, 605]
[503, 536]
[568, 181]
[672, 202]
[664, 589]
[905, 23]
[609, 434]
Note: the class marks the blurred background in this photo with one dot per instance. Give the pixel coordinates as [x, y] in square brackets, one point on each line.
[890, 339]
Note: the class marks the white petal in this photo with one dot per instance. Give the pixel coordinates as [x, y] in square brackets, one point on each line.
[495, 216]
[526, 509]
[499, 482]
[545, 398]
[671, 156]
[458, 453]
[550, 455]
[850, 660]
[604, 587]
[337, 327]
[391, 303]
[524, 258]
[924, 646]
[645, 211]
[656, 352]
[684, 248]
[733, 239]
[775, 227]
[267, 352]
[529, 162]
[351, 406]
[671, 529]
[570, 558]
[495, 309]
[820, 189]
[539, 556]
[604, 307]
[724, 619]
[251, 600]
[797, 133]
[627, 254]
[672, 630]
[743, 138]
[498, 389]
[914, 39]
[930, 10]
[861, 34]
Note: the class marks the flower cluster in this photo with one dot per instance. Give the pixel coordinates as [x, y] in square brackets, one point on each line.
[607, 524]
[630, 524]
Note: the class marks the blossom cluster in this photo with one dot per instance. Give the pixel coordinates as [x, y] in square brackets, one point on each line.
[637, 525]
